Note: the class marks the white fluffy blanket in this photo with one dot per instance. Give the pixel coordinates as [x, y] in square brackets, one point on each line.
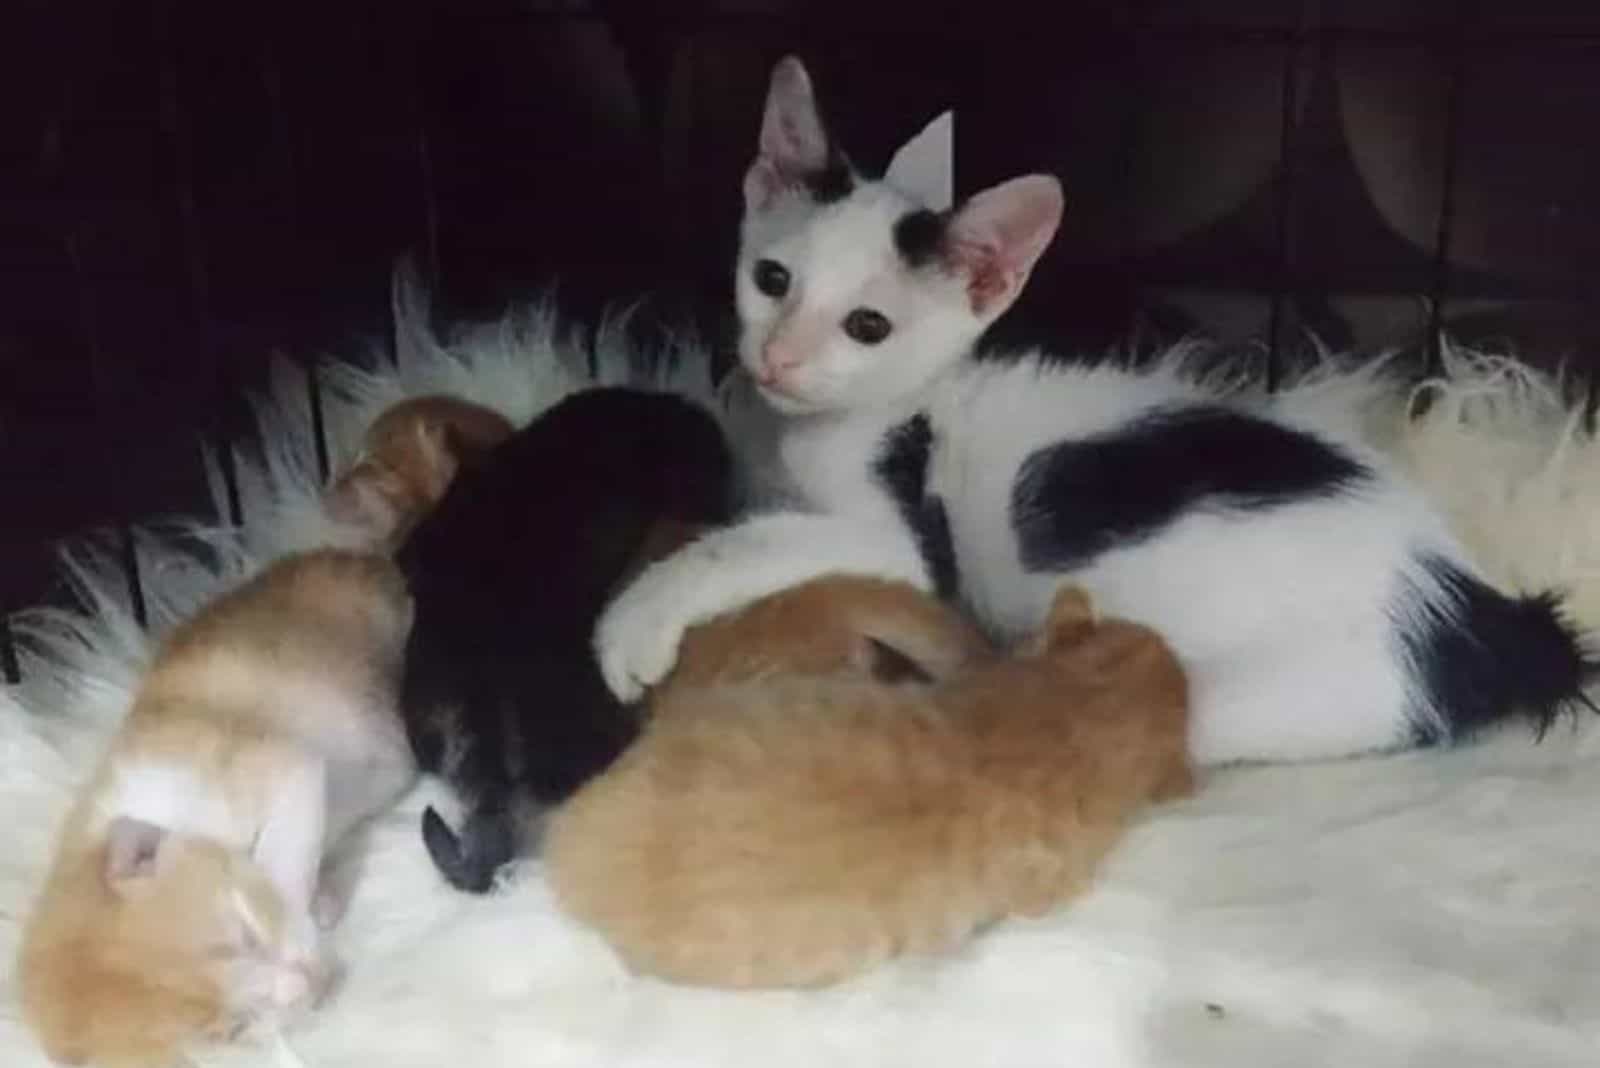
[1428, 909]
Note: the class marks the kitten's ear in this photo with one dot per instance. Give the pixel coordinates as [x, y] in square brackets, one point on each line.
[133, 850]
[359, 499]
[794, 142]
[924, 167]
[438, 448]
[887, 664]
[998, 235]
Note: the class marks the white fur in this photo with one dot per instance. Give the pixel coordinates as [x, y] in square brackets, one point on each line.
[292, 831]
[1287, 619]
[173, 797]
[483, 362]
[1283, 619]
[863, 270]
[1434, 910]
[1532, 523]
[737, 566]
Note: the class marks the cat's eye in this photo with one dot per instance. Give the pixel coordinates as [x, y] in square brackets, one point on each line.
[867, 326]
[771, 278]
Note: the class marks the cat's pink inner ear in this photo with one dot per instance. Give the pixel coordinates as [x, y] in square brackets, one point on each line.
[133, 847]
[793, 140]
[438, 457]
[342, 501]
[358, 499]
[999, 234]
[762, 185]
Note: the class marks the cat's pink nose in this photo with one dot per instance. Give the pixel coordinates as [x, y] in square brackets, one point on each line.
[776, 361]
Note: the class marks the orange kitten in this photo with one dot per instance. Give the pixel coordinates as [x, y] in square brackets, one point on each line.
[797, 829]
[180, 902]
[409, 456]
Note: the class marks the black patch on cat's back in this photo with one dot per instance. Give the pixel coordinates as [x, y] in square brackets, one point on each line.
[901, 467]
[833, 183]
[919, 237]
[1480, 656]
[1076, 499]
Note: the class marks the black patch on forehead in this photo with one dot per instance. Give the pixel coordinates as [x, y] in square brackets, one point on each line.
[832, 183]
[919, 237]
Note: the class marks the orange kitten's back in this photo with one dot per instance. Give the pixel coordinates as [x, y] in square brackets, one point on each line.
[302, 635]
[775, 833]
[410, 454]
[795, 831]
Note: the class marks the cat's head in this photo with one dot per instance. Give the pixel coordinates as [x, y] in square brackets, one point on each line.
[837, 625]
[853, 291]
[410, 455]
[165, 939]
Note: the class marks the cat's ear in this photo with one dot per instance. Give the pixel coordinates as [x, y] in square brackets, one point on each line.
[439, 447]
[996, 237]
[887, 664]
[924, 167]
[133, 852]
[794, 142]
[360, 499]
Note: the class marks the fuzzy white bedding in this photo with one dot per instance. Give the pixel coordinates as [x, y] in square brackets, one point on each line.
[1436, 909]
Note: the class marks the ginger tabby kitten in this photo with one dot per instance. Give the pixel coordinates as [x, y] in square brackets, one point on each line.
[788, 820]
[409, 457]
[183, 900]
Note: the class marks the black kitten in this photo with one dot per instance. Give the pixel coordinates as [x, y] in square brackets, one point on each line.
[501, 695]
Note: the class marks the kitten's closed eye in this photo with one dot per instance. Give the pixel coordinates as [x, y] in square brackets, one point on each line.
[771, 278]
[867, 326]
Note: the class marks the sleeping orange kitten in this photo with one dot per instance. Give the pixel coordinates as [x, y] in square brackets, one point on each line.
[408, 458]
[796, 822]
[183, 899]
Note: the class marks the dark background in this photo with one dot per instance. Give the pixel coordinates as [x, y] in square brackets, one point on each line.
[186, 187]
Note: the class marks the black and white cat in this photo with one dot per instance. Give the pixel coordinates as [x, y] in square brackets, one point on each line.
[1318, 601]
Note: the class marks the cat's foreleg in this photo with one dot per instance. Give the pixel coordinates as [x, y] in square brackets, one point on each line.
[636, 640]
[289, 846]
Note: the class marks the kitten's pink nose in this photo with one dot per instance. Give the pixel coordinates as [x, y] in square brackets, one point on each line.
[776, 361]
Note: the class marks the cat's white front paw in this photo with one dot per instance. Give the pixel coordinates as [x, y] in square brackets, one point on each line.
[636, 641]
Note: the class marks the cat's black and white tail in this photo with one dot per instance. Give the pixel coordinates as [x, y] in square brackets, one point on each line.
[1479, 657]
